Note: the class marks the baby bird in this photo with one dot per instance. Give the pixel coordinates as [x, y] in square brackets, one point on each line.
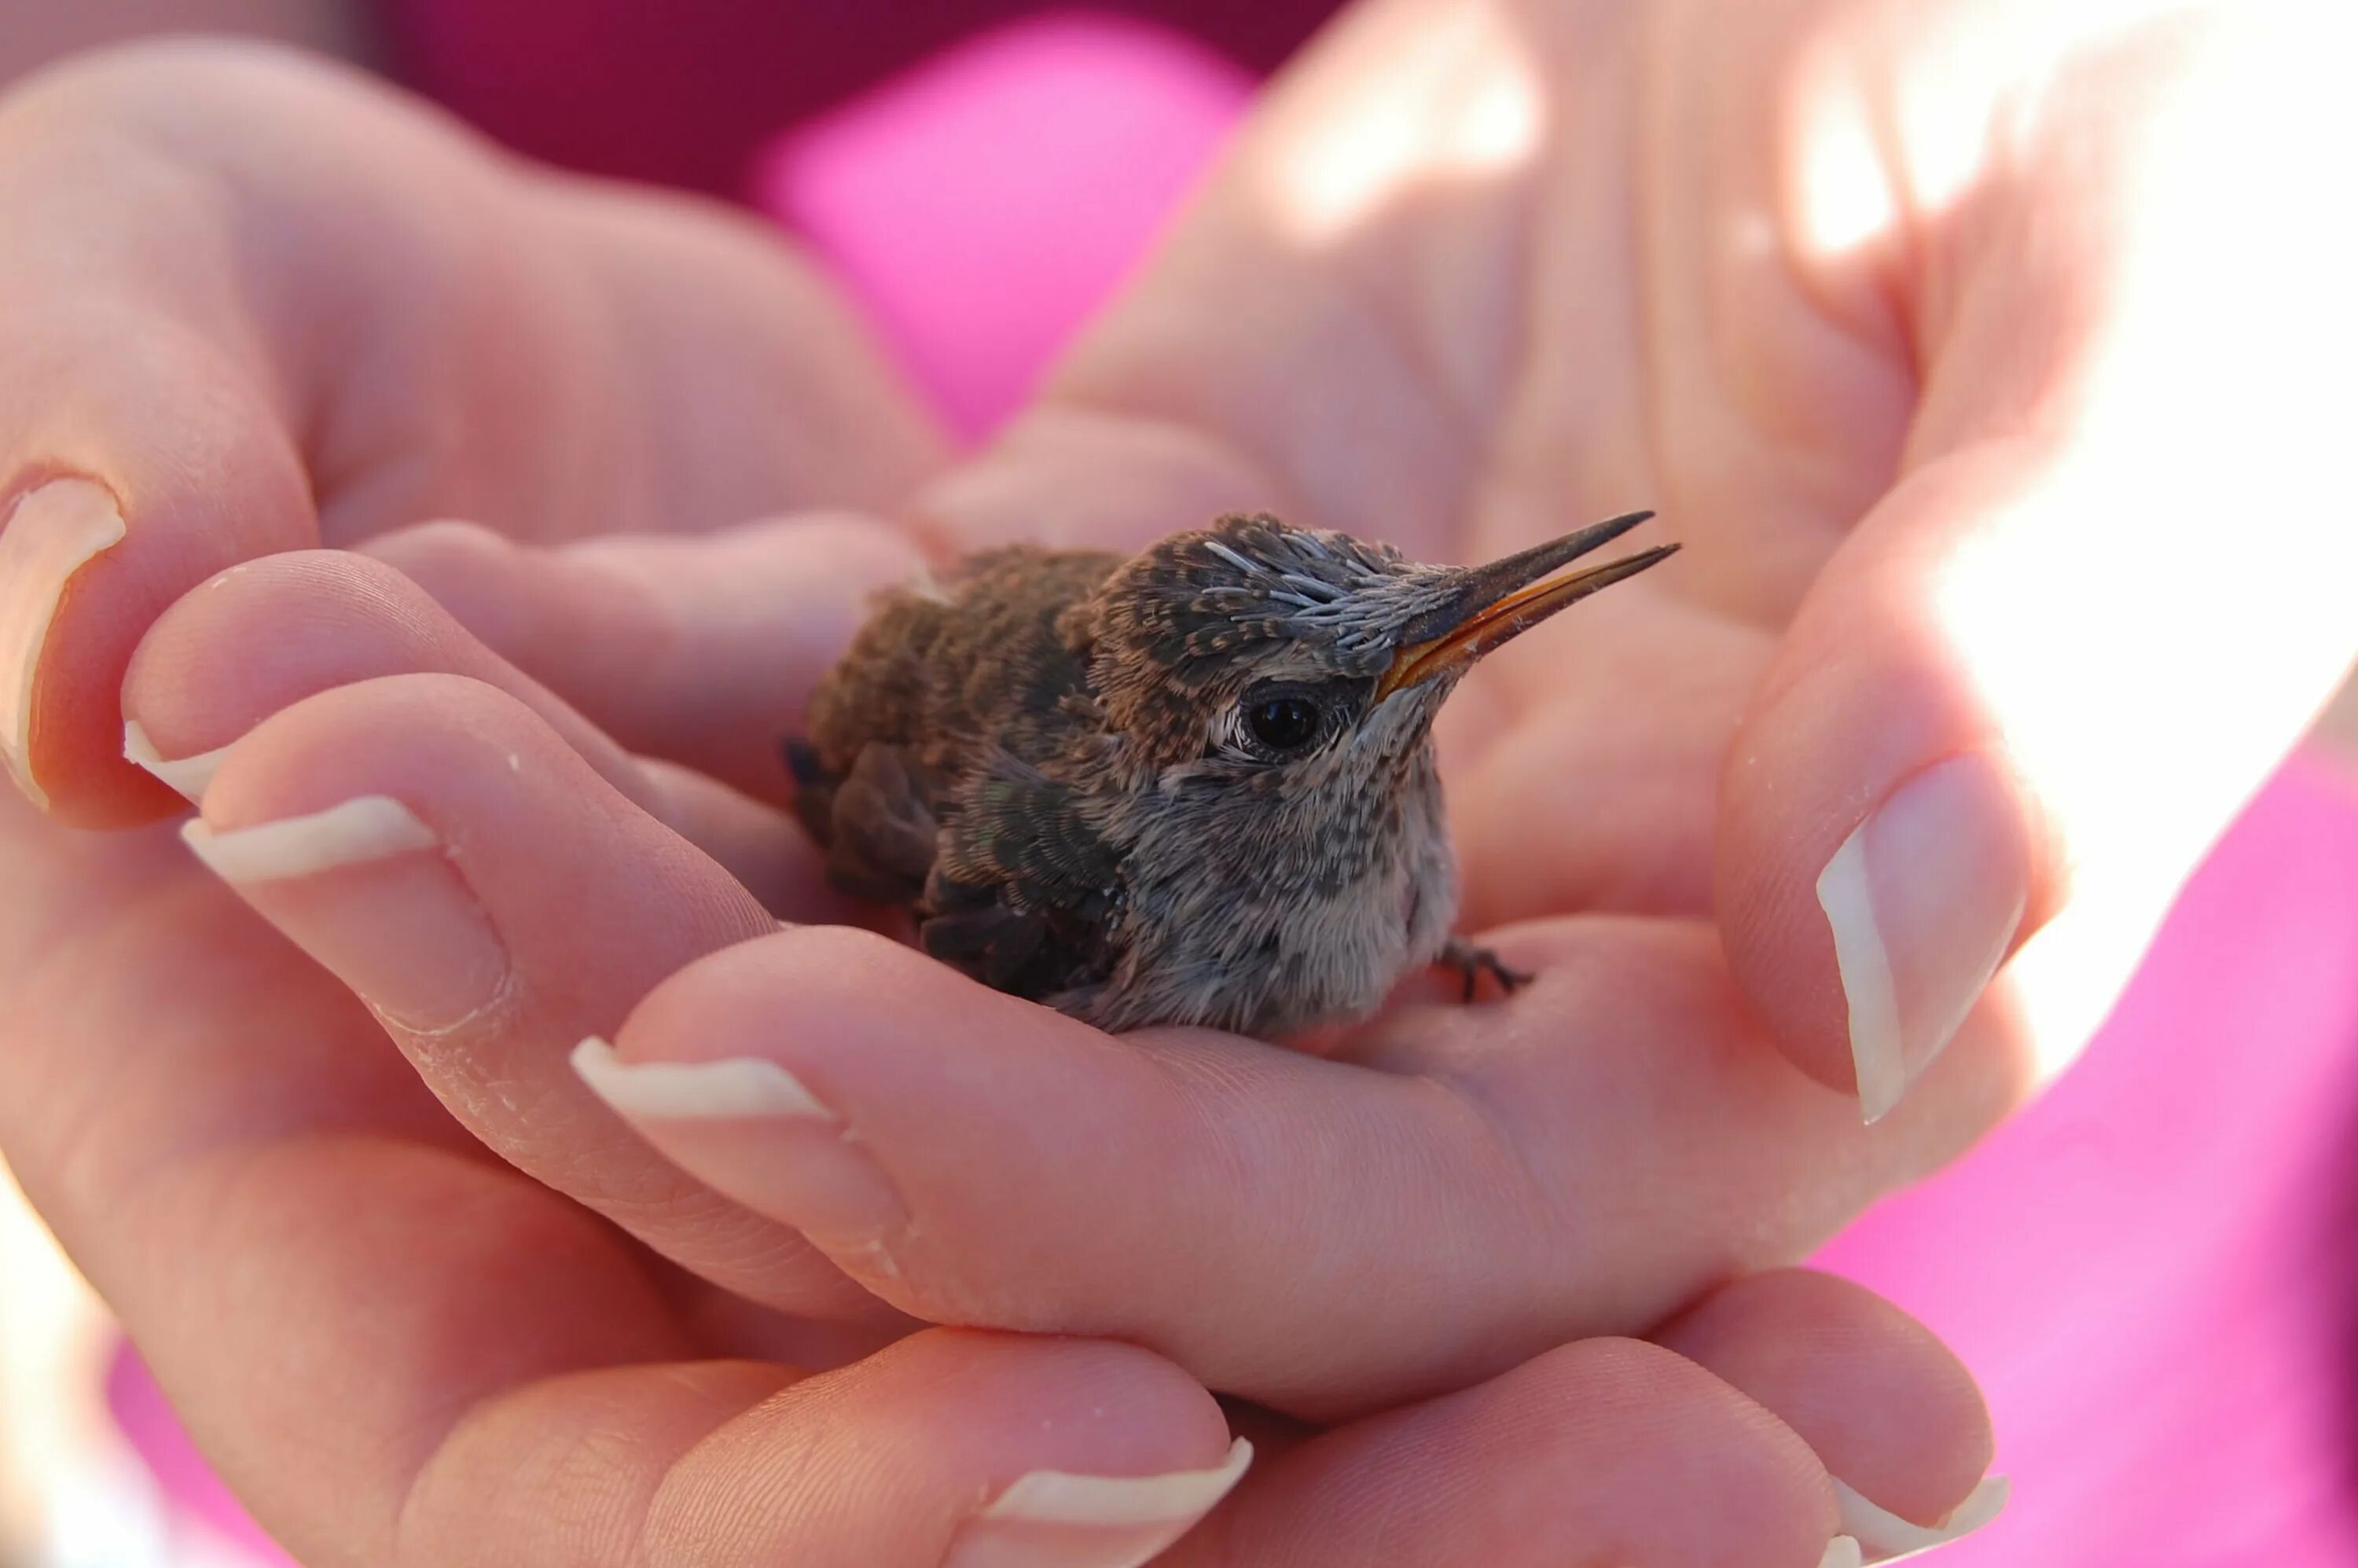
[1192, 787]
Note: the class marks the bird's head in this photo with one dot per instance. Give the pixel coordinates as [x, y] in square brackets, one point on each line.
[1253, 651]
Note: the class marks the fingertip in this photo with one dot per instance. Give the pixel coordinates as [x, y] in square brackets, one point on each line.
[1877, 863]
[151, 461]
[255, 638]
[265, 636]
[1152, 1458]
[186, 776]
[983, 1449]
[1604, 1450]
[55, 535]
[1168, 1421]
[1885, 1405]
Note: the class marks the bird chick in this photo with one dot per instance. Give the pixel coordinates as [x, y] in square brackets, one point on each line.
[1195, 785]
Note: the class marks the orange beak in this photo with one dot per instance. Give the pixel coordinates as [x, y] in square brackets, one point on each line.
[1501, 601]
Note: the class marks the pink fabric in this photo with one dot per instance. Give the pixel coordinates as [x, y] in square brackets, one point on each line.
[2151, 1269]
[194, 1497]
[2154, 1270]
[983, 205]
[685, 92]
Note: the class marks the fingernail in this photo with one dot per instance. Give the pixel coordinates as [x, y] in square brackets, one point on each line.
[188, 775]
[749, 1127]
[399, 927]
[54, 532]
[739, 1086]
[371, 828]
[1885, 1537]
[1841, 1551]
[1050, 1518]
[1924, 901]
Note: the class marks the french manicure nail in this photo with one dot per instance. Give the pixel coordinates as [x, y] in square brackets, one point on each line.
[1885, 1537]
[1841, 1551]
[188, 775]
[751, 1130]
[398, 926]
[739, 1086]
[54, 532]
[1050, 1518]
[1924, 900]
[370, 827]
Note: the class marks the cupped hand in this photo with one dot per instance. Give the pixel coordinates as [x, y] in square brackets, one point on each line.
[1949, 339]
[397, 1348]
[254, 303]
[493, 879]
[1980, 354]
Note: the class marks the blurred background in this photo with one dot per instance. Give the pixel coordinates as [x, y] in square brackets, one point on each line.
[766, 103]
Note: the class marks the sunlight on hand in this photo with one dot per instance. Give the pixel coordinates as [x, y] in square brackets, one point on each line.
[1459, 99]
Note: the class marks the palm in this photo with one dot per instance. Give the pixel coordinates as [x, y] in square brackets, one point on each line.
[1813, 281]
[1581, 291]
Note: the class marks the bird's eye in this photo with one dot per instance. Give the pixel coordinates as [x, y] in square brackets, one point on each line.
[1283, 723]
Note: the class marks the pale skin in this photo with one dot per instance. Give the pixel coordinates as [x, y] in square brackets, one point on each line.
[1415, 1240]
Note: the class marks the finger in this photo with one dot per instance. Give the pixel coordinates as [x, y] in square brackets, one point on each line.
[1607, 1451]
[262, 637]
[950, 1449]
[1785, 1407]
[503, 1325]
[222, 339]
[397, 1350]
[1893, 1416]
[439, 849]
[2046, 670]
[871, 1097]
[1326, 1237]
[704, 650]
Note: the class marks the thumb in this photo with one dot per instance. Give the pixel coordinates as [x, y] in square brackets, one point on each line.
[2095, 610]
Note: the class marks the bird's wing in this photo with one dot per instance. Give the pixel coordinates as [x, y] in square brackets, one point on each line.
[877, 821]
[1024, 893]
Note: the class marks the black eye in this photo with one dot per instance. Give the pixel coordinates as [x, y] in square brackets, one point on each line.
[1284, 723]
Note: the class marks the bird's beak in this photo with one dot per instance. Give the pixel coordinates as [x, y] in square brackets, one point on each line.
[1493, 604]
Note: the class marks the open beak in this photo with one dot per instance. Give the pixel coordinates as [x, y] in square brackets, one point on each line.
[1498, 602]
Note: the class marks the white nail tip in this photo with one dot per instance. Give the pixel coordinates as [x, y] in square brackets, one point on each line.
[1055, 1497]
[54, 532]
[1841, 1551]
[190, 775]
[694, 1090]
[1884, 1537]
[373, 828]
[1865, 966]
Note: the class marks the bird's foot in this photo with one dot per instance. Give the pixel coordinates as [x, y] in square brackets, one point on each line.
[1472, 963]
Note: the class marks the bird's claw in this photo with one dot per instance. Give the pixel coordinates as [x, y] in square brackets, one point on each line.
[1473, 962]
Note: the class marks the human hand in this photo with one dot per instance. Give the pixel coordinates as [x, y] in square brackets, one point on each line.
[254, 303]
[1329, 1317]
[1476, 274]
[273, 1180]
[400, 1352]
[238, 1229]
